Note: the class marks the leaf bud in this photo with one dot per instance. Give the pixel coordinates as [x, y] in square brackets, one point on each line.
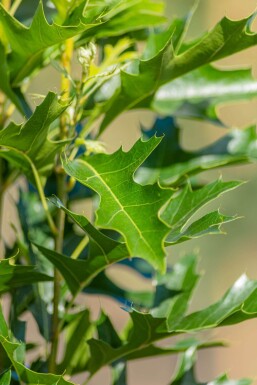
[87, 55]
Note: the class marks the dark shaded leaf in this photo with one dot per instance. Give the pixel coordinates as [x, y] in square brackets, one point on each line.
[173, 293]
[172, 165]
[146, 328]
[12, 276]
[103, 252]
[78, 330]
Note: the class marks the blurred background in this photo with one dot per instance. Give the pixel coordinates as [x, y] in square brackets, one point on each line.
[222, 259]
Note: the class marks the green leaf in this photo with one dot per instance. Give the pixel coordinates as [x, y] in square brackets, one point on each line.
[102, 285]
[224, 380]
[5, 81]
[208, 224]
[230, 309]
[142, 78]
[5, 379]
[78, 330]
[136, 87]
[180, 346]
[26, 375]
[98, 347]
[27, 145]
[34, 297]
[143, 333]
[119, 373]
[180, 28]
[204, 89]
[73, 271]
[12, 276]
[15, 354]
[5, 332]
[127, 16]
[216, 45]
[103, 251]
[168, 151]
[232, 302]
[66, 7]
[168, 318]
[125, 206]
[172, 295]
[107, 332]
[184, 371]
[174, 291]
[171, 165]
[29, 46]
[79, 273]
[182, 208]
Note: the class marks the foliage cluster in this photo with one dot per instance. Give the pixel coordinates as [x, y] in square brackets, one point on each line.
[144, 200]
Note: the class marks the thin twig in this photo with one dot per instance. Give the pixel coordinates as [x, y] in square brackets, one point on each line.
[62, 194]
[81, 246]
[15, 6]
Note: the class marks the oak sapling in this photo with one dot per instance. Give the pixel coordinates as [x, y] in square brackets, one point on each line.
[110, 58]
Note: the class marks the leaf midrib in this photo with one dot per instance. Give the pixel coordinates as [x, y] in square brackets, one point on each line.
[97, 175]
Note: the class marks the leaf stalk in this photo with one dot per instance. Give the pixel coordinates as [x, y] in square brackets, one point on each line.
[78, 250]
[62, 194]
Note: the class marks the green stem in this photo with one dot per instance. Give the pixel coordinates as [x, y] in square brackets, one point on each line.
[43, 199]
[39, 188]
[60, 224]
[60, 221]
[15, 6]
[82, 244]
[80, 247]
[87, 128]
[67, 309]
[55, 324]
